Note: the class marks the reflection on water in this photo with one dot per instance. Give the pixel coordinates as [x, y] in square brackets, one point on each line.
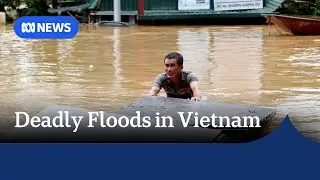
[2, 28]
[243, 67]
[117, 58]
[106, 68]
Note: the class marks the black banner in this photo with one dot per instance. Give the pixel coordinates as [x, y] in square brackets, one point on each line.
[151, 120]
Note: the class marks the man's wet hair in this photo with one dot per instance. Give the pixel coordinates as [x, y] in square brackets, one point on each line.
[175, 55]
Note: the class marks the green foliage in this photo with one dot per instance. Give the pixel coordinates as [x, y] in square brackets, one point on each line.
[317, 8]
[10, 3]
[302, 7]
[34, 8]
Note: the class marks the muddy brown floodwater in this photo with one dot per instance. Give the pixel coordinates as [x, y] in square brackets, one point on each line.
[106, 68]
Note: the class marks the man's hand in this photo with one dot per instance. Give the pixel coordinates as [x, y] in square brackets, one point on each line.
[196, 91]
[153, 91]
[197, 97]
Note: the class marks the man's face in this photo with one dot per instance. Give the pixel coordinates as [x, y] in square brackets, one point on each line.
[172, 68]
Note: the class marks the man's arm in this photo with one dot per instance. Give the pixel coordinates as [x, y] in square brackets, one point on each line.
[196, 90]
[157, 85]
[154, 91]
[194, 84]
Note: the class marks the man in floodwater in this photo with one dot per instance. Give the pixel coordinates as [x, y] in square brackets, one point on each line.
[176, 82]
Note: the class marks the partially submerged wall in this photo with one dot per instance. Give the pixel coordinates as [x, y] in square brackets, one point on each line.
[2, 17]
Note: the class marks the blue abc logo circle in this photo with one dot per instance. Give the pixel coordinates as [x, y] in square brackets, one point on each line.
[46, 27]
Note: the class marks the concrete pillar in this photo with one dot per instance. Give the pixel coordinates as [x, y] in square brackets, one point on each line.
[117, 10]
[132, 20]
[2, 18]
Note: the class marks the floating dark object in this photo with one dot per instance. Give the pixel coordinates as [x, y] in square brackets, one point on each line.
[149, 106]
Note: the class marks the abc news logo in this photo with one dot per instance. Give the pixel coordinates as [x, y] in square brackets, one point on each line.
[31, 27]
[42, 27]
